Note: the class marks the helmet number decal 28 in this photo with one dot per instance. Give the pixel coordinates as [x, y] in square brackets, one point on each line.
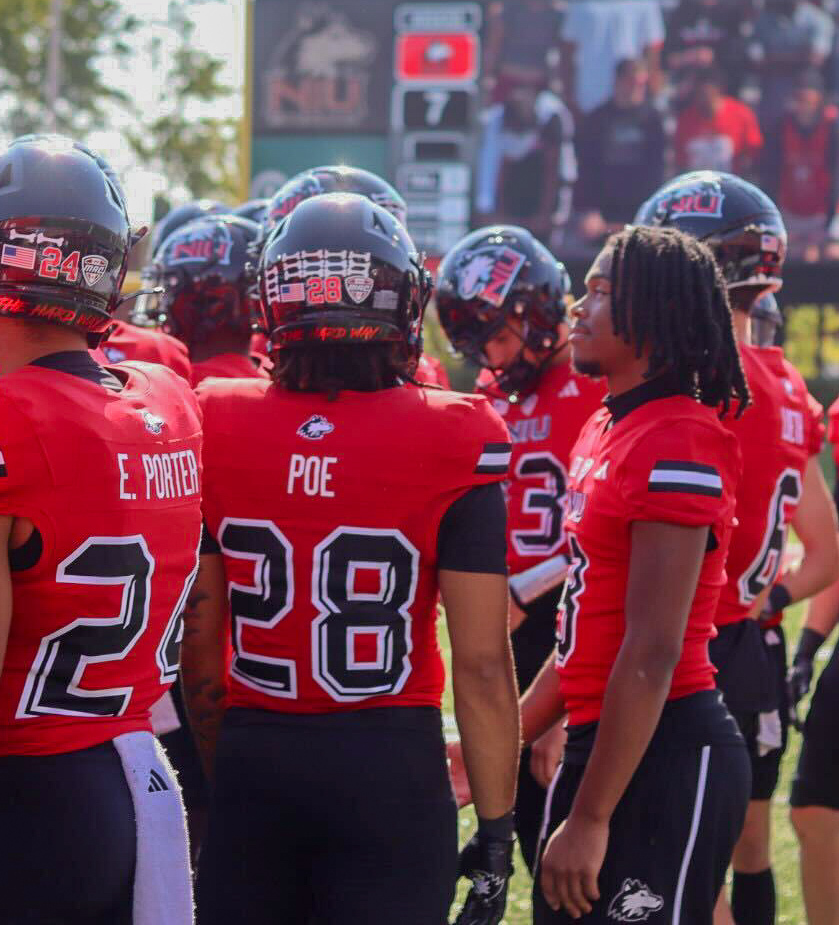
[323, 289]
[545, 501]
[764, 568]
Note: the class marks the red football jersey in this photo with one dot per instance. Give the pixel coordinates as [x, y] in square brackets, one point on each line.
[833, 429]
[431, 372]
[669, 460]
[777, 434]
[327, 514]
[112, 483]
[543, 427]
[230, 366]
[129, 342]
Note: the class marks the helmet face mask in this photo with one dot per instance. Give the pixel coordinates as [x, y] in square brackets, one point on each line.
[766, 320]
[340, 269]
[501, 277]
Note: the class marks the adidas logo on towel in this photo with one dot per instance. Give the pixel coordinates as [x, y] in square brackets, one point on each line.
[157, 782]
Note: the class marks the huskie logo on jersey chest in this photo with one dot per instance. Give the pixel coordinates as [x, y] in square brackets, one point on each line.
[315, 428]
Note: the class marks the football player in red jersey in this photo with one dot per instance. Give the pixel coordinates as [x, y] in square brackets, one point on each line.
[209, 298]
[650, 797]
[814, 798]
[130, 342]
[780, 437]
[100, 519]
[341, 178]
[368, 495]
[501, 300]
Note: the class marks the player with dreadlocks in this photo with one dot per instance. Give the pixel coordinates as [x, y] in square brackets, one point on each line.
[648, 803]
[780, 436]
[502, 302]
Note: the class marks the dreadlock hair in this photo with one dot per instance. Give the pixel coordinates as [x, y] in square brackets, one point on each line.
[359, 367]
[668, 295]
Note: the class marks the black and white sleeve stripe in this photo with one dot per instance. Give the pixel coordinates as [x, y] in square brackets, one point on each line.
[494, 459]
[687, 477]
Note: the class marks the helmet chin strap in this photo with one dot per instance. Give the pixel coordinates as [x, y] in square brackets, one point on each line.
[522, 375]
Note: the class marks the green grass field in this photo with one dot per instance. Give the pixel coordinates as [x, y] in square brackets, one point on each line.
[784, 845]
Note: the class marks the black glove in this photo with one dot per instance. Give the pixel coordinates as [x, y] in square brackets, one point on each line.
[487, 860]
[800, 675]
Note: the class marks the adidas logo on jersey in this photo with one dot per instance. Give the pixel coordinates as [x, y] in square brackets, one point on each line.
[157, 782]
[569, 390]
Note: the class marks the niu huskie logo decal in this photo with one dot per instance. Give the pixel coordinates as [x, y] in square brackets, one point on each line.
[316, 428]
[200, 243]
[634, 903]
[702, 199]
[488, 273]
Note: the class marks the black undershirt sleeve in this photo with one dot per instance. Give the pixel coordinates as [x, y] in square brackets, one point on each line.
[209, 544]
[28, 555]
[473, 532]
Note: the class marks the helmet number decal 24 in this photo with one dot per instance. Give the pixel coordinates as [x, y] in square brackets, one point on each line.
[763, 569]
[363, 584]
[546, 501]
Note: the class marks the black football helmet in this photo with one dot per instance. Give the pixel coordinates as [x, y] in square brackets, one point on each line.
[147, 309]
[739, 222]
[64, 234]
[254, 209]
[495, 274]
[202, 267]
[333, 179]
[341, 269]
[766, 320]
[182, 214]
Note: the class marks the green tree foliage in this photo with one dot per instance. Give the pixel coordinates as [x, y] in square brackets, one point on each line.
[179, 136]
[182, 138]
[95, 32]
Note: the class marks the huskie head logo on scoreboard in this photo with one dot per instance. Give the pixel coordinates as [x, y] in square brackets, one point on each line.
[488, 273]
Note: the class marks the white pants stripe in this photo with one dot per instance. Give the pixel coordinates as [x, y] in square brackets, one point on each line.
[704, 758]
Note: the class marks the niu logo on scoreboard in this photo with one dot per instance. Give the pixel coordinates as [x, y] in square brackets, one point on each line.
[438, 56]
[319, 69]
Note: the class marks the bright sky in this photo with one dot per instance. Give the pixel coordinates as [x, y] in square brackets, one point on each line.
[220, 31]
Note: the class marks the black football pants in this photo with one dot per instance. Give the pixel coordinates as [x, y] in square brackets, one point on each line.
[69, 839]
[533, 642]
[330, 819]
